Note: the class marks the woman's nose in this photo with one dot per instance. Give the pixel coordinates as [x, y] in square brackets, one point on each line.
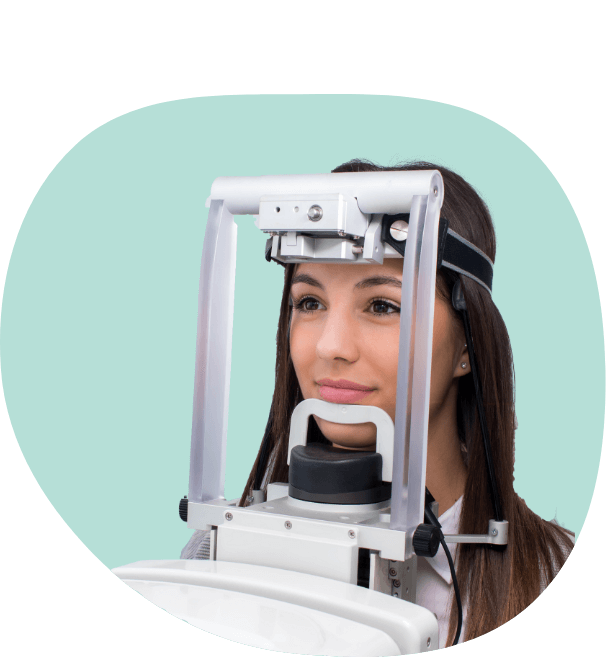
[338, 339]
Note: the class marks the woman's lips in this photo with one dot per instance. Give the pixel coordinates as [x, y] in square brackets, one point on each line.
[342, 395]
[342, 391]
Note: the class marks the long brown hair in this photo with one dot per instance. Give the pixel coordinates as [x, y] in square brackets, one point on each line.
[496, 583]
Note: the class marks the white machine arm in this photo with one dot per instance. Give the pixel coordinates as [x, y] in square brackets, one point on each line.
[375, 191]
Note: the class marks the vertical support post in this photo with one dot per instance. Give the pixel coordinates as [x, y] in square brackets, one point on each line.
[422, 365]
[414, 365]
[213, 356]
[406, 373]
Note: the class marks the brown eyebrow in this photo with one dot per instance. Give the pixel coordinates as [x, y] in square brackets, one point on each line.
[363, 284]
[379, 280]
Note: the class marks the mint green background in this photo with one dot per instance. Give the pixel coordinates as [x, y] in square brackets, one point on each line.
[99, 314]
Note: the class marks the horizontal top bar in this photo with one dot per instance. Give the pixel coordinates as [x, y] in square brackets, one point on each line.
[387, 192]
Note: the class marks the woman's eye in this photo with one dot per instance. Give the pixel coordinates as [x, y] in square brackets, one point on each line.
[381, 307]
[308, 305]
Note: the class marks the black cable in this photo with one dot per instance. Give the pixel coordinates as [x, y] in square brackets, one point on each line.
[458, 301]
[456, 590]
[431, 519]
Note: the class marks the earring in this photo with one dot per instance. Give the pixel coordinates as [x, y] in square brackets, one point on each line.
[463, 365]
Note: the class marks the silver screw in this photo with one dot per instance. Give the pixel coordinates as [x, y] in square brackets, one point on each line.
[428, 641]
[296, 208]
[396, 583]
[392, 572]
[435, 191]
[396, 594]
[399, 230]
[229, 516]
[351, 533]
[288, 524]
[315, 213]
[495, 532]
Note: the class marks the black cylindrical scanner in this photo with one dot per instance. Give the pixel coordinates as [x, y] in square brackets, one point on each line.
[330, 475]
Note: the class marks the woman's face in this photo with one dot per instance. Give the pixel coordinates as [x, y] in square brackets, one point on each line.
[344, 339]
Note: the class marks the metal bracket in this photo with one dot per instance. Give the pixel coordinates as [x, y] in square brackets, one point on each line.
[373, 246]
[395, 578]
[498, 533]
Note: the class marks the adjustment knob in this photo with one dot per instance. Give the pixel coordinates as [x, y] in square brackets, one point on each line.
[183, 509]
[426, 540]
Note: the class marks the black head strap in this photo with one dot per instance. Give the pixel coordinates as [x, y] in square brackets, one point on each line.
[454, 251]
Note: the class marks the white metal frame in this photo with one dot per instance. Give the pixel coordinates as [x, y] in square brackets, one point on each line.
[419, 193]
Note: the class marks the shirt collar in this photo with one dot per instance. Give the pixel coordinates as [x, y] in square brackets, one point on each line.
[450, 525]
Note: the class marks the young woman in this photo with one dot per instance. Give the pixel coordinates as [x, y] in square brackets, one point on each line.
[338, 341]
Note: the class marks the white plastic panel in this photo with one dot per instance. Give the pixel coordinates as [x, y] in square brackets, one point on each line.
[282, 610]
[336, 559]
[264, 623]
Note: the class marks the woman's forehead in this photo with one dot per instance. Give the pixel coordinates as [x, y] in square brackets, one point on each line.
[347, 274]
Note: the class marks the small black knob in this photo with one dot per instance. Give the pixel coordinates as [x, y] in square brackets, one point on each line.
[183, 509]
[426, 540]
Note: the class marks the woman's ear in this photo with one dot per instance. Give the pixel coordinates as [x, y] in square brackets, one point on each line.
[462, 366]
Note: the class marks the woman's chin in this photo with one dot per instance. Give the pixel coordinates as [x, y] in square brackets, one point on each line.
[350, 436]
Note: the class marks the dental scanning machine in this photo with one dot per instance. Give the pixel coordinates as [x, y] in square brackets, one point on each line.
[326, 563]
